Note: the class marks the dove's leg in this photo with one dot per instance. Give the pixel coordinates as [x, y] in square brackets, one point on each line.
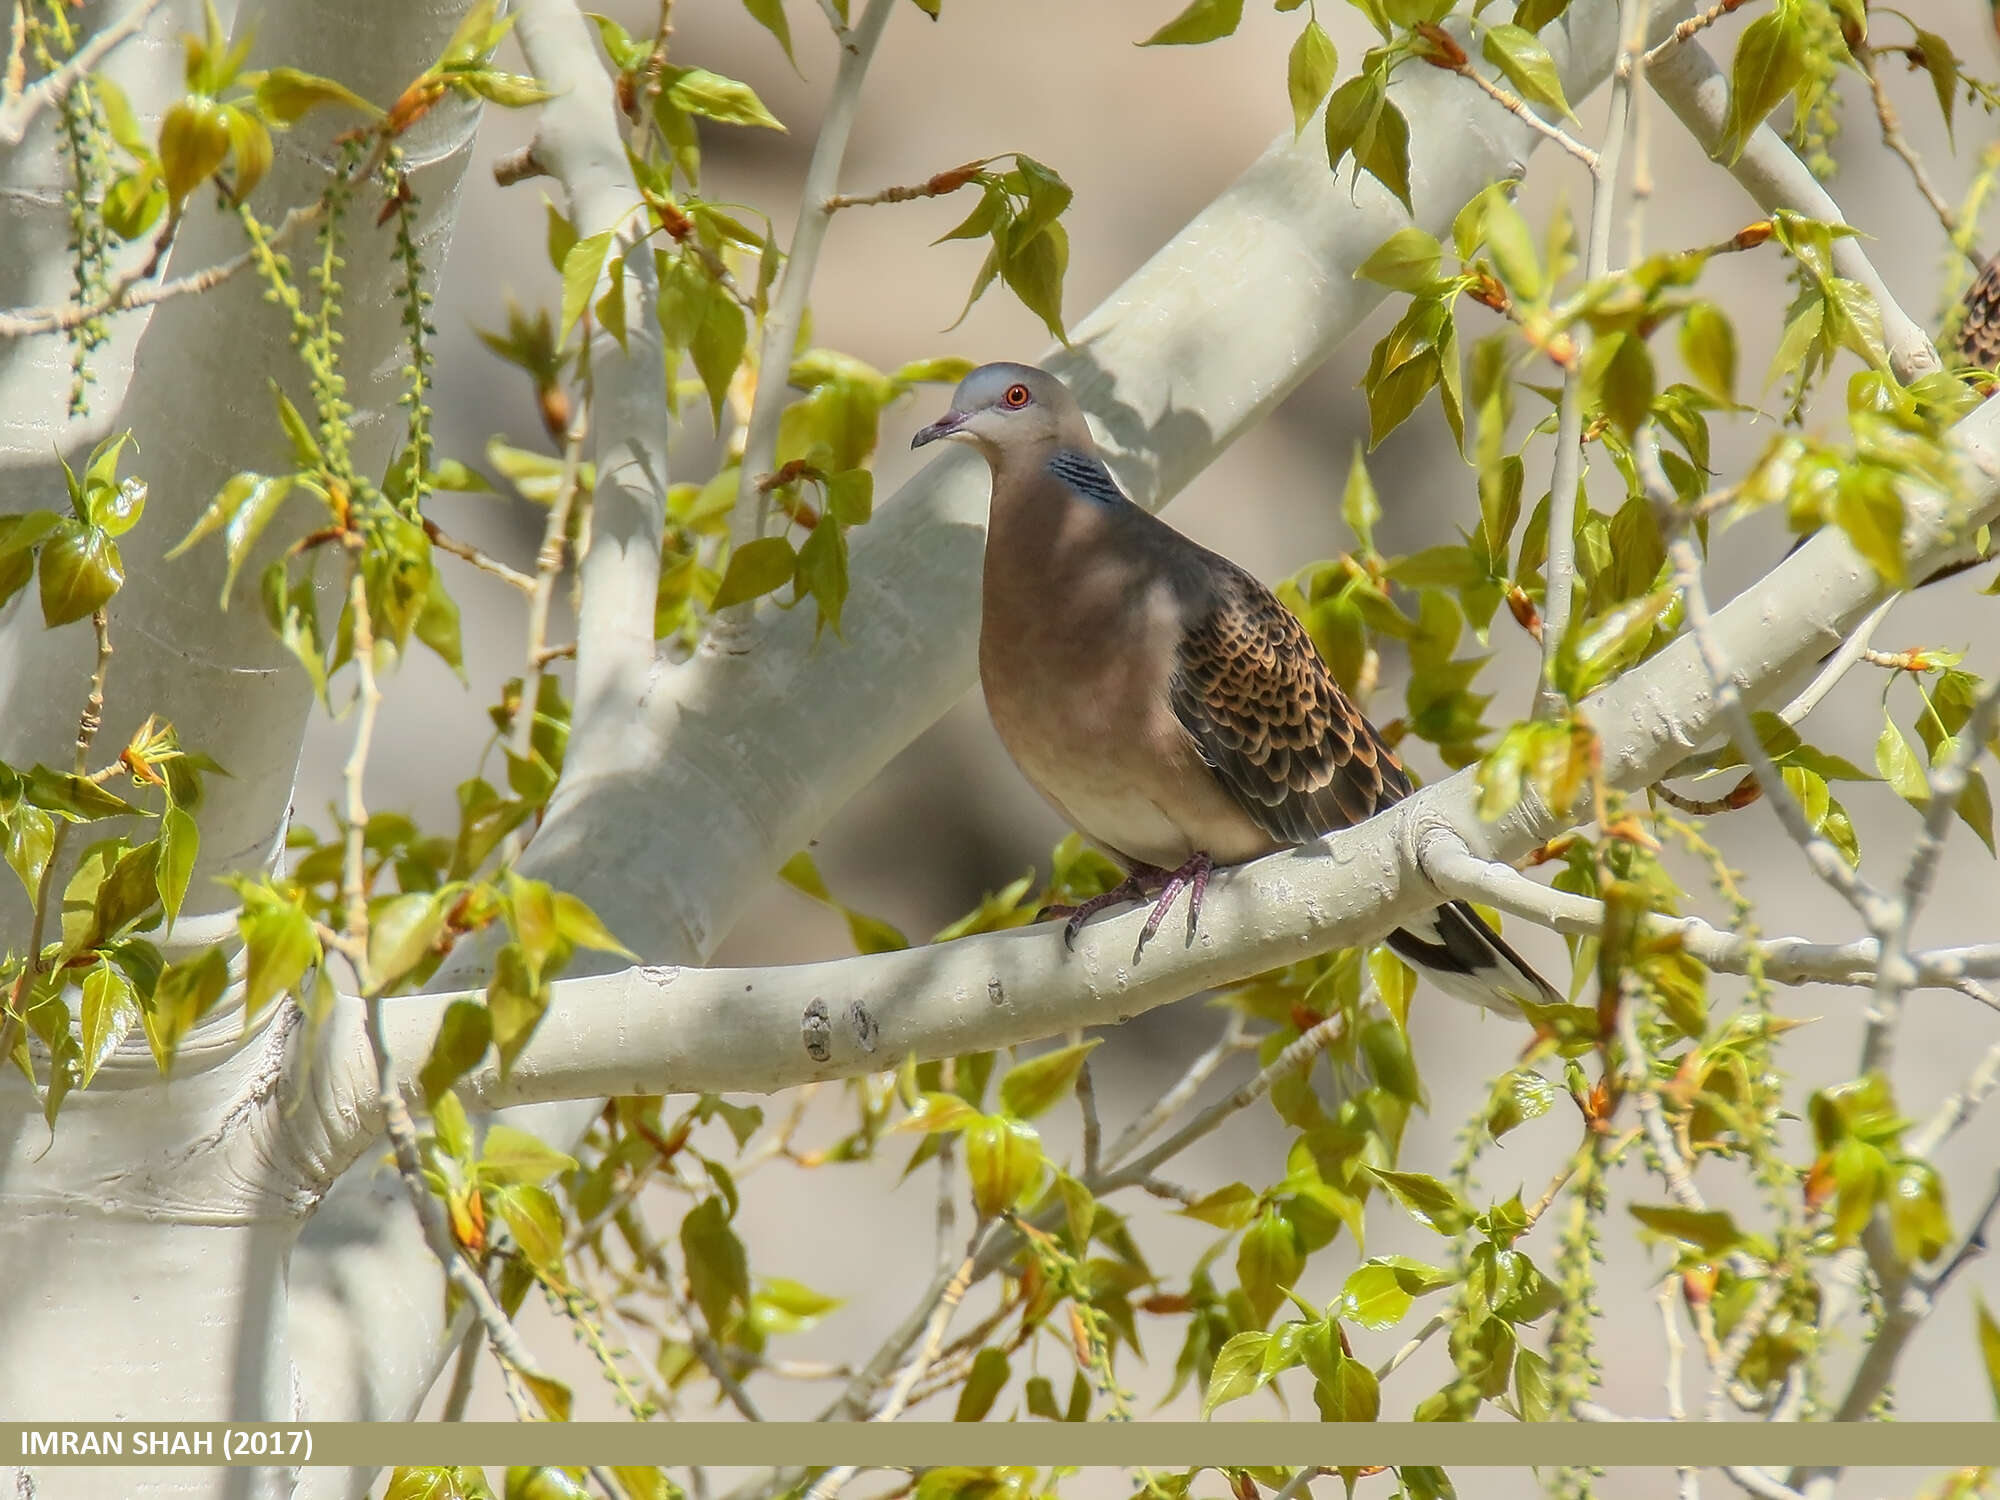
[1191, 877]
[1136, 886]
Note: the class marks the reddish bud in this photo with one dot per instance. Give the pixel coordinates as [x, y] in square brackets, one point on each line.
[1750, 236]
[1446, 52]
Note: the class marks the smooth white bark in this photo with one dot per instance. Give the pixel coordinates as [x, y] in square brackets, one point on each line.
[164, 1226]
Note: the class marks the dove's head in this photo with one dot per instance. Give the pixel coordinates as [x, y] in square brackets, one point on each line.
[1007, 408]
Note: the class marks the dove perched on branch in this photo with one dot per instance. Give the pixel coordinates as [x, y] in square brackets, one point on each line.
[1160, 696]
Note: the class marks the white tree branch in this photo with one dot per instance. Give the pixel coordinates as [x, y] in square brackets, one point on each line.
[1695, 90]
[579, 142]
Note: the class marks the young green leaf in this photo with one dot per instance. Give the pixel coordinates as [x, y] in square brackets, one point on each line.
[1202, 21]
[1033, 1086]
[1519, 54]
[1309, 72]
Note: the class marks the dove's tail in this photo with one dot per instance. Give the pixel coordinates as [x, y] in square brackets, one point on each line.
[1467, 960]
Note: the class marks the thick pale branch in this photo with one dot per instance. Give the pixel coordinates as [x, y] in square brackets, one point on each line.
[1695, 90]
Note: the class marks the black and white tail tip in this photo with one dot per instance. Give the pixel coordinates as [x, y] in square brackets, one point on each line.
[1466, 959]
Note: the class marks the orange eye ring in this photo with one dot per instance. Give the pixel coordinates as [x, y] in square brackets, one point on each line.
[1017, 396]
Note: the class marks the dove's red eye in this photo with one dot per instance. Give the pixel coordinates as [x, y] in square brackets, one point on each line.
[1017, 396]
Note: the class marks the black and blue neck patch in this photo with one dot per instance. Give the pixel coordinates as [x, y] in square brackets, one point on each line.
[1087, 476]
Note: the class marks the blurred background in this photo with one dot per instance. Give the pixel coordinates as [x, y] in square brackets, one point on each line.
[1146, 136]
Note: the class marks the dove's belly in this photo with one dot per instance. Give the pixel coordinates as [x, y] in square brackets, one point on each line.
[1117, 764]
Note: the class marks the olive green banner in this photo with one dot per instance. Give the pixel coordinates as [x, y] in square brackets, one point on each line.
[1928, 1445]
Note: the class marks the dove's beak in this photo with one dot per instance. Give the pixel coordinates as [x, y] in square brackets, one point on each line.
[943, 427]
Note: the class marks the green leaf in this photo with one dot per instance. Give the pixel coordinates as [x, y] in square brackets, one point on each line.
[533, 1217]
[1350, 113]
[1374, 1297]
[1989, 1346]
[850, 496]
[770, 14]
[1942, 64]
[1359, 506]
[184, 993]
[1384, 152]
[1003, 1157]
[1034, 273]
[701, 92]
[582, 265]
[1407, 261]
[1309, 72]
[110, 1010]
[508, 90]
[582, 927]
[1513, 248]
[1896, 759]
[1032, 1086]
[1519, 54]
[1710, 1230]
[280, 945]
[1348, 1392]
[1229, 1207]
[179, 842]
[1534, 1386]
[1238, 1370]
[1202, 21]
[1868, 508]
[509, 1155]
[1919, 1227]
[718, 1272]
[80, 571]
[985, 1381]
[1268, 1262]
[1620, 369]
[756, 568]
[287, 95]
[1520, 1096]
[401, 931]
[74, 798]
[717, 346]
[1708, 347]
[30, 839]
[822, 571]
[1427, 1200]
[194, 141]
[1770, 60]
[462, 1039]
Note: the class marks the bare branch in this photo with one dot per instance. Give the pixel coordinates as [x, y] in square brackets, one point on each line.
[1896, 141]
[787, 313]
[18, 109]
[1567, 473]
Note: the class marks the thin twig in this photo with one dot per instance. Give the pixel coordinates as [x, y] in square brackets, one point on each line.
[1234, 1039]
[899, 1393]
[1395, 1361]
[1308, 1045]
[1566, 475]
[1670, 1328]
[1895, 974]
[1093, 1133]
[782, 322]
[1973, 1246]
[18, 108]
[1515, 107]
[130, 291]
[444, 541]
[1686, 29]
[1896, 141]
